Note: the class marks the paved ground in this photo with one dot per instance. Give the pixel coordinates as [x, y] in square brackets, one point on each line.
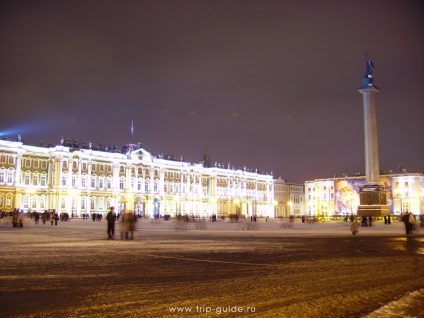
[211, 270]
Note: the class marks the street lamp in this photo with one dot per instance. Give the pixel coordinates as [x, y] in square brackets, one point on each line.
[177, 205]
[275, 203]
[237, 202]
[212, 208]
[290, 204]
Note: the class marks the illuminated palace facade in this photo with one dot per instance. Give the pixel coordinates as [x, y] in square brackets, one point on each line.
[340, 196]
[91, 181]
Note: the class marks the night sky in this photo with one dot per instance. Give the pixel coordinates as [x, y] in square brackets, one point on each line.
[266, 84]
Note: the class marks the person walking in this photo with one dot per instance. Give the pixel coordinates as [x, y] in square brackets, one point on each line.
[21, 218]
[15, 217]
[412, 220]
[131, 225]
[405, 219]
[111, 219]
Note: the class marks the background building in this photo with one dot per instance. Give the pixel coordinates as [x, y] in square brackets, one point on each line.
[77, 179]
[289, 198]
[340, 196]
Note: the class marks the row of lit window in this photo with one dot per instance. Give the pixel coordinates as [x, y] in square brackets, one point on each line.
[323, 197]
[7, 159]
[7, 176]
[37, 163]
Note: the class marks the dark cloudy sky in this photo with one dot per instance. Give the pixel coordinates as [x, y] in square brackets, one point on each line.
[267, 84]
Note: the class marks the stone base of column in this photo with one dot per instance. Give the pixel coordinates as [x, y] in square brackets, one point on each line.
[373, 210]
[373, 201]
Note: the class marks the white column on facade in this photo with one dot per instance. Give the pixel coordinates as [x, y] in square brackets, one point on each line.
[115, 178]
[69, 177]
[128, 178]
[79, 173]
[161, 181]
[50, 166]
[152, 180]
[18, 170]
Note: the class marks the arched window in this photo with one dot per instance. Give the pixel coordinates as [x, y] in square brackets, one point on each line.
[9, 200]
[92, 203]
[43, 202]
[83, 203]
[35, 179]
[101, 205]
[26, 201]
[93, 181]
[101, 181]
[34, 202]
[84, 180]
[27, 178]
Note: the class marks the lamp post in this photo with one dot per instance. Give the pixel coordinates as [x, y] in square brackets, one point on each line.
[275, 203]
[212, 208]
[177, 205]
[290, 204]
[237, 202]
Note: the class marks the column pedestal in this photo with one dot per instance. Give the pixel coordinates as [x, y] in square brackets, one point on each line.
[373, 201]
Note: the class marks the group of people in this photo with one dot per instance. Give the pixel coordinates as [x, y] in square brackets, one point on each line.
[126, 224]
[407, 218]
[18, 217]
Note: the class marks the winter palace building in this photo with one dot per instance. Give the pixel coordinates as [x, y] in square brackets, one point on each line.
[83, 180]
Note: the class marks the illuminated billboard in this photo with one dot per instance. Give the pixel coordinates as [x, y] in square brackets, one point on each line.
[347, 194]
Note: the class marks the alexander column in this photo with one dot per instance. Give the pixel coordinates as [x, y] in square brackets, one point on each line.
[372, 195]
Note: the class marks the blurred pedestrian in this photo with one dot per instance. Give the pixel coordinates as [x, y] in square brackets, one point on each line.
[411, 223]
[111, 219]
[405, 220]
[131, 225]
[44, 217]
[21, 218]
[354, 227]
[123, 225]
[36, 218]
[15, 217]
